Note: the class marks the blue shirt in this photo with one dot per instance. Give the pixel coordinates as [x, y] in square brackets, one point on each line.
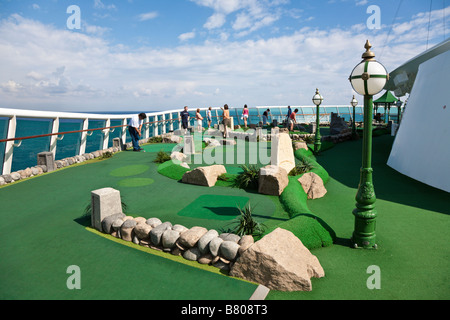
[184, 116]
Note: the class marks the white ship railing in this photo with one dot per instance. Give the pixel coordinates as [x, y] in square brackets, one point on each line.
[164, 121]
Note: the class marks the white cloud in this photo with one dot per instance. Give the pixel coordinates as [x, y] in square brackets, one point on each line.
[148, 16]
[45, 67]
[186, 36]
[217, 20]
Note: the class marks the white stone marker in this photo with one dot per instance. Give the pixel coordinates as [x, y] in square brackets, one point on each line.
[282, 152]
[105, 202]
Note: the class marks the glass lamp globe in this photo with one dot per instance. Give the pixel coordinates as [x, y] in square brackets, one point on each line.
[369, 77]
[317, 99]
[354, 102]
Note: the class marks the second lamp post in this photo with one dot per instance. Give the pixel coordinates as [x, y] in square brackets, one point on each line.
[317, 99]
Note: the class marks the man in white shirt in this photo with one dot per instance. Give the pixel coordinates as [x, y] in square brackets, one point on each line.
[135, 127]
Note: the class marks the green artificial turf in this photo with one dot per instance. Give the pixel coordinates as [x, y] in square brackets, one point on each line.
[172, 170]
[215, 207]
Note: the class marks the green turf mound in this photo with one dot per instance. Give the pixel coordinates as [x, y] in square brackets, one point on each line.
[301, 154]
[172, 170]
[310, 230]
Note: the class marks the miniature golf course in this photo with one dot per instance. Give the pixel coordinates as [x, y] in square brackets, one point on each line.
[43, 232]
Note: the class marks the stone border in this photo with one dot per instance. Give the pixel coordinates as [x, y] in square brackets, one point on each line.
[207, 247]
[59, 164]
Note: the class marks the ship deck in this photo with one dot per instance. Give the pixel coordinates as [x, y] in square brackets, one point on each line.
[43, 232]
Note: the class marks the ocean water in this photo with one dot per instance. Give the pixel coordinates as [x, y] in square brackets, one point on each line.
[26, 155]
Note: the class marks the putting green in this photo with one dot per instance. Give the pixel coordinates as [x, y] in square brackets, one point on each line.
[214, 207]
[128, 171]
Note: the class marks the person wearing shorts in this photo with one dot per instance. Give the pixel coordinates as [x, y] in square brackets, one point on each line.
[209, 117]
[226, 119]
[199, 119]
[245, 114]
[293, 119]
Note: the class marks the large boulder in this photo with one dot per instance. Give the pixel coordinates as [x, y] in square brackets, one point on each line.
[204, 176]
[313, 185]
[272, 180]
[280, 262]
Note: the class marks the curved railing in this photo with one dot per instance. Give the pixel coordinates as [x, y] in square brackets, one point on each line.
[158, 123]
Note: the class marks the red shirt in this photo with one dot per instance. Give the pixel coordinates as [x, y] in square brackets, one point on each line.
[293, 115]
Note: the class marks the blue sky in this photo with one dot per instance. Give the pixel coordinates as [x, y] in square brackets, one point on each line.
[164, 54]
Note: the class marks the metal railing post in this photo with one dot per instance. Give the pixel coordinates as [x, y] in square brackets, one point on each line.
[106, 134]
[54, 139]
[84, 137]
[9, 148]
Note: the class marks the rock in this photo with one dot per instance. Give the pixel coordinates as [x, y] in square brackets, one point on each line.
[169, 238]
[126, 230]
[229, 250]
[300, 145]
[280, 262]
[140, 220]
[190, 237]
[35, 171]
[154, 222]
[282, 152]
[2, 181]
[192, 254]
[179, 228]
[145, 243]
[185, 165]
[214, 246]
[179, 156]
[158, 231]
[221, 265]
[206, 259]
[117, 224]
[272, 180]
[16, 176]
[7, 178]
[245, 243]
[337, 124]
[108, 222]
[176, 251]
[313, 185]
[230, 237]
[203, 243]
[204, 176]
[142, 231]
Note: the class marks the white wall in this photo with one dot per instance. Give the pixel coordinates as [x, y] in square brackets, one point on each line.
[422, 147]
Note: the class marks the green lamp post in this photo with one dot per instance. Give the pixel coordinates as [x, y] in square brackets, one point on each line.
[317, 100]
[368, 79]
[354, 103]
